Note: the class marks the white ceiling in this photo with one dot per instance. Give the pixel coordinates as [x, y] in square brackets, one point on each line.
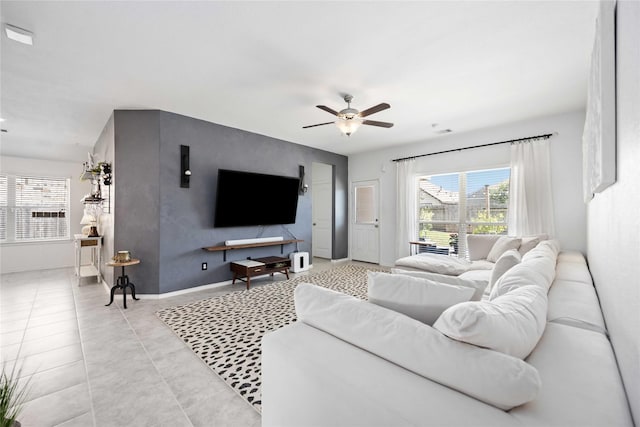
[263, 66]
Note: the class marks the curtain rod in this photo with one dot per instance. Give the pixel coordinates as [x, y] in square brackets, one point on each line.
[545, 136]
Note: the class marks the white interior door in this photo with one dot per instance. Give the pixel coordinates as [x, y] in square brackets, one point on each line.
[321, 207]
[365, 237]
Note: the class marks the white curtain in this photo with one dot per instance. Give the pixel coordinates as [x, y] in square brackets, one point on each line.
[406, 209]
[530, 198]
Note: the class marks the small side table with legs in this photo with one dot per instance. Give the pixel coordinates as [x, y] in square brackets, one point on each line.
[123, 281]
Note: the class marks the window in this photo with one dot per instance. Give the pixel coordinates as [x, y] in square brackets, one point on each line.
[450, 206]
[33, 208]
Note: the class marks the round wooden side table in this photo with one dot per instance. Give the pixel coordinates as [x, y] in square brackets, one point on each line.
[123, 281]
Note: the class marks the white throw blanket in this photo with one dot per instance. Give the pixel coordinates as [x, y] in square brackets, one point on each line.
[441, 264]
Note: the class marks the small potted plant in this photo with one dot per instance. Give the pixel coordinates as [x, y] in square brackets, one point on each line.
[453, 242]
[12, 395]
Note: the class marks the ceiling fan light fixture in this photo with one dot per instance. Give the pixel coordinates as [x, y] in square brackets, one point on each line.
[348, 126]
[19, 35]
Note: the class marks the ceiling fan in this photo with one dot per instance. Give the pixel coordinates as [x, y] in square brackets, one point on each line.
[350, 119]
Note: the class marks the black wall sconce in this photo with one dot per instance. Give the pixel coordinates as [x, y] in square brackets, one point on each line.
[303, 187]
[184, 166]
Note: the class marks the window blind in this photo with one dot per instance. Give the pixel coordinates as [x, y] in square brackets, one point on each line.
[35, 208]
[450, 206]
[3, 207]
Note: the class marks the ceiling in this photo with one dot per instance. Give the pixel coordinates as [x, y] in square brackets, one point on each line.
[263, 66]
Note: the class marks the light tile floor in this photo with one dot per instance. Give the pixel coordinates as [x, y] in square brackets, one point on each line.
[91, 365]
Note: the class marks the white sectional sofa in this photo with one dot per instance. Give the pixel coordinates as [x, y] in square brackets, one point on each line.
[481, 259]
[348, 362]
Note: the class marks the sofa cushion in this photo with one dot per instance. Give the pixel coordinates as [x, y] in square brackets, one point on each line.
[573, 271]
[507, 260]
[479, 245]
[481, 264]
[512, 323]
[465, 279]
[572, 256]
[530, 242]
[581, 385]
[491, 377]
[481, 277]
[311, 378]
[503, 244]
[434, 263]
[575, 304]
[537, 270]
[420, 299]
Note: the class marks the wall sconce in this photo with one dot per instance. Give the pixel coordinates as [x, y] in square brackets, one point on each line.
[184, 166]
[303, 187]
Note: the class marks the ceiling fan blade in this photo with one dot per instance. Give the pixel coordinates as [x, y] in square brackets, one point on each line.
[375, 123]
[375, 109]
[319, 124]
[327, 109]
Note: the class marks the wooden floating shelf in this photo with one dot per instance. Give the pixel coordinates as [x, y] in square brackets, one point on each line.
[225, 248]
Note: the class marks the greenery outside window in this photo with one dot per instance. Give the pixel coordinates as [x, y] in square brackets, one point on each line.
[33, 208]
[450, 206]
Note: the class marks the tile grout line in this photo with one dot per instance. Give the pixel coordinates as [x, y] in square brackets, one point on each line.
[84, 355]
[175, 398]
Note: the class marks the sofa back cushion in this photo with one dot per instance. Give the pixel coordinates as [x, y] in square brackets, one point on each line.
[530, 242]
[478, 286]
[503, 244]
[491, 377]
[479, 245]
[511, 324]
[507, 260]
[420, 299]
[538, 267]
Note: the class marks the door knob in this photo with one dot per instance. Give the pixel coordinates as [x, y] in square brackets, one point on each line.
[314, 223]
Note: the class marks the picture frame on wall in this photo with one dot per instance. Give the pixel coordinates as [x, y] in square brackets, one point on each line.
[599, 136]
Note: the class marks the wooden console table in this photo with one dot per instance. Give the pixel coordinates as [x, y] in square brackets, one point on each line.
[95, 243]
[244, 270]
[225, 248]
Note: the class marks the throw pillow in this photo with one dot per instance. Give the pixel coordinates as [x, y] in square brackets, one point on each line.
[420, 299]
[478, 286]
[507, 260]
[512, 323]
[528, 243]
[479, 245]
[491, 377]
[503, 244]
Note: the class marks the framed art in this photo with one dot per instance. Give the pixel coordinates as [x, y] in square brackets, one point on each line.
[599, 136]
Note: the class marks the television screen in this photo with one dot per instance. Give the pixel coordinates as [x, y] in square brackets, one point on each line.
[245, 198]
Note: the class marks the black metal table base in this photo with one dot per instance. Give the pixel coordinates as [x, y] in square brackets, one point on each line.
[123, 283]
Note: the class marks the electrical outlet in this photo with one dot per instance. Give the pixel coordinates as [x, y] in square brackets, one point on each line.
[204, 265]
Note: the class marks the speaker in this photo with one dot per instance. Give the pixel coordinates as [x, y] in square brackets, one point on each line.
[299, 261]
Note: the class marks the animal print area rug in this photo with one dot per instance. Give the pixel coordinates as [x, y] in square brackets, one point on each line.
[226, 331]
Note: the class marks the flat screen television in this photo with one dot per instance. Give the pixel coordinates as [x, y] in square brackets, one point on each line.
[246, 198]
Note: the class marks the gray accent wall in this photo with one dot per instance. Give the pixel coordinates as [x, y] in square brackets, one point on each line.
[166, 226]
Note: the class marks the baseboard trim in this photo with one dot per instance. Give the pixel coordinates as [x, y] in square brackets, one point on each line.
[336, 261]
[184, 291]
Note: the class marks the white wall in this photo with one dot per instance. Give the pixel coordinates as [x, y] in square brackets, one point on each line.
[566, 171]
[39, 256]
[614, 215]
